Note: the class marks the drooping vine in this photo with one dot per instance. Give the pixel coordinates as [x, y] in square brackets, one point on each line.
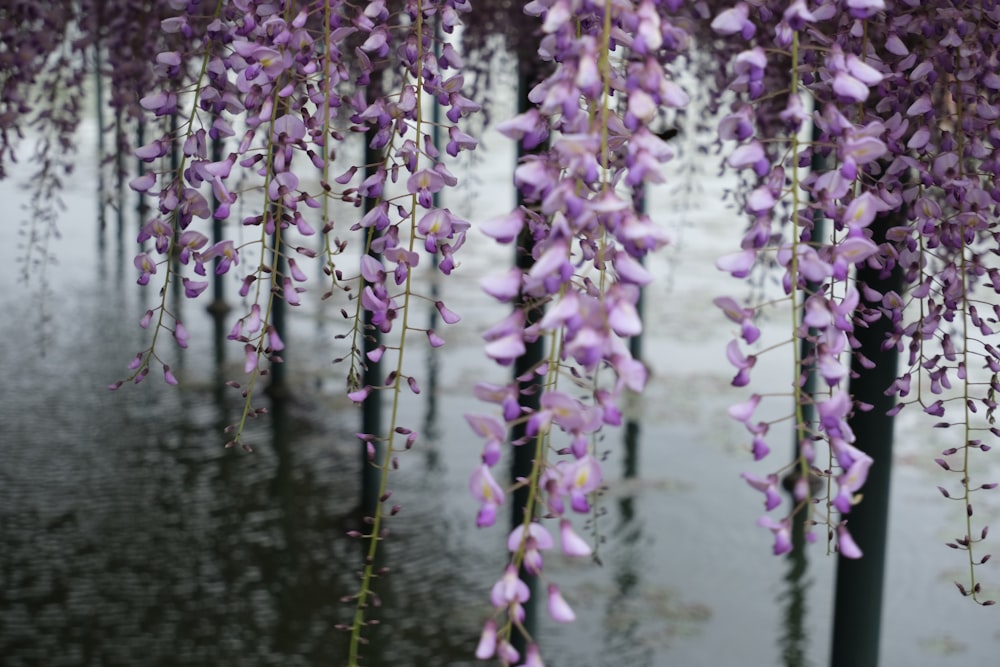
[888, 89]
[841, 110]
[612, 76]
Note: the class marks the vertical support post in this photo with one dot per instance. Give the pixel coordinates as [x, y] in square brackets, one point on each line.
[140, 140]
[175, 165]
[371, 407]
[529, 384]
[218, 308]
[101, 148]
[793, 636]
[807, 353]
[119, 174]
[857, 613]
[277, 387]
[430, 418]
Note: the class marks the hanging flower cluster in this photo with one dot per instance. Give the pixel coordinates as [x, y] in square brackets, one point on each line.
[283, 85]
[903, 110]
[50, 52]
[592, 115]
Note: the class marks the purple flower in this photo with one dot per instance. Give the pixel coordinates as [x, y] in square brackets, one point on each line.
[485, 489]
[447, 315]
[181, 334]
[572, 544]
[734, 20]
[798, 15]
[740, 315]
[580, 478]
[487, 427]
[192, 288]
[143, 183]
[742, 412]
[849, 90]
[504, 287]
[146, 267]
[189, 242]
[535, 531]
[504, 395]
[759, 448]
[742, 363]
[738, 125]
[528, 126]
[747, 155]
[249, 359]
[846, 544]
[227, 253]
[424, 183]
[738, 264]
[274, 342]
[532, 657]
[782, 534]
[507, 653]
[509, 589]
[162, 104]
[864, 9]
[459, 141]
[487, 645]
[559, 610]
[505, 340]
[861, 211]
[851, 481]
[769, 487]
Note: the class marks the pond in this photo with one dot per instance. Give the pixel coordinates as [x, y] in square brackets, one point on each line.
[132, 536]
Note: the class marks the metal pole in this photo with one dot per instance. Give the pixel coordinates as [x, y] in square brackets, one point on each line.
[529, 390]
[857, 613]
[371, 407]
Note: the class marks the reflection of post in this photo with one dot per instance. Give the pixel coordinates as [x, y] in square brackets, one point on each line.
[99, 100]
[529, 387]
[793, 636]
[371, 407]
[624, 640]
[858, 607]
[639, 201]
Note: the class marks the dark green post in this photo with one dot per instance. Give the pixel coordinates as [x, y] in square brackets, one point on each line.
[101, 149]
[371, 407]
[807, 351]
[278, 386]
[218, 308]
[857, 613]
[530, 389]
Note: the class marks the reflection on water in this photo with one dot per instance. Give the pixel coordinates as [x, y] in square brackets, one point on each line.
[794, 639]
[132, 536]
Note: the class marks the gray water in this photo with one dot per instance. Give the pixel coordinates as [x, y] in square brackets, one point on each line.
[131, 536]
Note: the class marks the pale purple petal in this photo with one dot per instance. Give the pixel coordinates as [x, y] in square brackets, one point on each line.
[572, 544]
[738, 264]
[487, 641]
[848, 547]
[559, 610]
